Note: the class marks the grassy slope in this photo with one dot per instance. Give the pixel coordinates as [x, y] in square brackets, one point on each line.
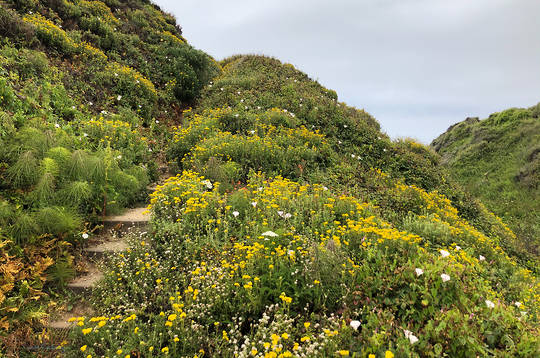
[498, 160]
[355, 213]
[307, 219]
[83, 85]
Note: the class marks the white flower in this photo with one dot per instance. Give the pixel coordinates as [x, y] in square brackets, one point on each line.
[260, 188]
[235, 213]
[353, 156]
[458, 248]
[517, 304]
[355, 325]
[208, 184]
[481, 258]
[345, 126]
[221, 88]
[57, 125]
[119, 157]
[254, 203]
[119, 97]
[252, 131]
[85, 236]
[490, 304]
[445, 277]
[258, 107]
[236, 115]
[238, 92]
[85, 134]
[73, 107]
[90, 103]
[444, 253]
[280, 213]
[325, 188]
[418, 271]
[116, 75]
[269, 233]
[242, 100]
[287, 216]
[411, 337]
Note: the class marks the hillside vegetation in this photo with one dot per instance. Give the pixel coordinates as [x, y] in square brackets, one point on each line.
[83, 87]
[498, 160]
[293, 228]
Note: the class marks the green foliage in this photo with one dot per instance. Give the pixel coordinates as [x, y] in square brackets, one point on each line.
[497, 160]
[284, 267]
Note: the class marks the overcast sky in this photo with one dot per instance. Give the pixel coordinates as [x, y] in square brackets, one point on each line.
[417, 66]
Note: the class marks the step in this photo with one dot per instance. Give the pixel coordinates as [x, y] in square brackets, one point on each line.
[85, 282]
[137, 217]
[63, 321]
[100, 250]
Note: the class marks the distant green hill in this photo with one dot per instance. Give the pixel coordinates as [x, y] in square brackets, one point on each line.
[498, 160]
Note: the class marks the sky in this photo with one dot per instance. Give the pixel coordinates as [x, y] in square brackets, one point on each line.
[417, 66]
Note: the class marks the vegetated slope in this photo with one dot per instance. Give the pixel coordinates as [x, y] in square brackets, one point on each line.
[296, 228]
[498, 160]
[83, 85]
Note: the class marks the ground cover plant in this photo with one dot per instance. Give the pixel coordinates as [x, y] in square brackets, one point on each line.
[294, 227]
[292, 234]
[83, 88]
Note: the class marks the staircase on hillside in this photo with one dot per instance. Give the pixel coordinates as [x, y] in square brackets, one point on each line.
[111, 240]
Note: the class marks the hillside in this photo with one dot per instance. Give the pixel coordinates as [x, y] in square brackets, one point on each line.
[294, 226]
[498, 160]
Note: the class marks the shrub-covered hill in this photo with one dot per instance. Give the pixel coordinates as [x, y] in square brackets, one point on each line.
[85, 87]
[296, 228]
[293, 228]
[498, 160]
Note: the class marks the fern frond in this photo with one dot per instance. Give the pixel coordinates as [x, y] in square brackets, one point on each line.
[23, 172]
[57, 221]
[44, 190]
[76, 193]
[24, 229]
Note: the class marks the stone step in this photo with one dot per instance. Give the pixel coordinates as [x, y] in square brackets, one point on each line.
[62, 322]
[85, 282]
[100, 250]
[137, 217]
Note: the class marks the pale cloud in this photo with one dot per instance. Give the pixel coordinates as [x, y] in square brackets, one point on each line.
[418, 66]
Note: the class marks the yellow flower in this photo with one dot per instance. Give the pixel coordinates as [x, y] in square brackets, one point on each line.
[316, 282]
[254, 351]
[83, 348]
[101, 323]
[119, 351]
[285, 336]
[304, 339]
[165, 350]
[344, 353]
[89, 356]
[136, 330]
[172, 317]
[176, 339]
[86, 331]
[371, 356]
[307, 324]
[388, 354]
